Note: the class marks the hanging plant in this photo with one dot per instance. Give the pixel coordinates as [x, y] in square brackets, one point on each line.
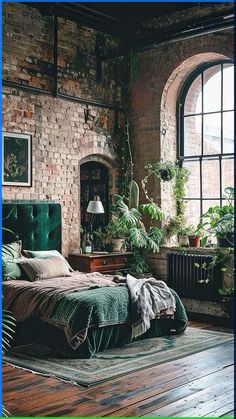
[162, 170]
[181, 178]
[133, 67]
[166, 172]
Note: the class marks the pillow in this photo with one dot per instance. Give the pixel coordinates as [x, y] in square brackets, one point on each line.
[45, 268]
[11, 269]
[46, 254]
[11, 258]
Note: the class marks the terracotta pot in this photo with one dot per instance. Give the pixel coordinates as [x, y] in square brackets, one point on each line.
[194, 241]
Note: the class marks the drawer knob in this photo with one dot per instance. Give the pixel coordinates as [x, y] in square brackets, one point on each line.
[125, 260]
[104, 262]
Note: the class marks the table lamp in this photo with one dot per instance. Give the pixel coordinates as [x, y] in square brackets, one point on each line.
[94, 207]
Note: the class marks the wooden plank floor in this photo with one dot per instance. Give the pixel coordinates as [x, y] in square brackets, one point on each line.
[197, 385]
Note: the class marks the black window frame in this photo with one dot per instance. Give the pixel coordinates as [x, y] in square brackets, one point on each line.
[181, 134]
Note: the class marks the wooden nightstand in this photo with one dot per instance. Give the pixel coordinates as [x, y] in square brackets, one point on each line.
[95, 262]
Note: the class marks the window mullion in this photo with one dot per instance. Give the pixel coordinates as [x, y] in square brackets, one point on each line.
[221, 133]
[202, 111]
[200, 162]
[221, 180]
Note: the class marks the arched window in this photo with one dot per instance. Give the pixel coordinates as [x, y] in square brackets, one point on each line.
[206, 136]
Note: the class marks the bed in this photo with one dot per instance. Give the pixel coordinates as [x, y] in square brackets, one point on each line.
[77, 315]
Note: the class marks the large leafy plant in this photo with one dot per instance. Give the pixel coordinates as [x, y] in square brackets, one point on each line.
[220, 220]
[130, 215]
[8, 322]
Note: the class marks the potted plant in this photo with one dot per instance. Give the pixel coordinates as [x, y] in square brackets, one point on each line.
[183, 233]
[163, 170]
[139, 238]
[220, 220]
[194, 235]
[114, 234]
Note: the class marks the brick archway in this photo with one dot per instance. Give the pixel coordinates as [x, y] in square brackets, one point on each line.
[168, 117]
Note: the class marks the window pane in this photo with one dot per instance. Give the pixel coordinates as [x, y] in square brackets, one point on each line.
[210, 179]
[227, 173]
[228, 132]
[212, 89]
[212, 134]
[192, 187]
[192, 135]
[205, 206]
[193, 101]
[192, 212]
[228, 86]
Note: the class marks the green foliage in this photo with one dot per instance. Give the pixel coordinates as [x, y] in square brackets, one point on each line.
[138, 236]
[8, 329]
[223, 260]
[123, 154]
[115, 229]
[133, 67]
[162, 170]
[138, 263]
[220, 220]
[153, 211]
[167, 171]
[181, 178]
[129, 217]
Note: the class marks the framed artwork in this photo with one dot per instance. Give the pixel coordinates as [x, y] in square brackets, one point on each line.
[17, 159]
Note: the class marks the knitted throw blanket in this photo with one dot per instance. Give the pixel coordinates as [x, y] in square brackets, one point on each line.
[150, 298]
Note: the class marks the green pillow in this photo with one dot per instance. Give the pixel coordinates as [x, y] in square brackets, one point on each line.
[11, 258]
[46, 254]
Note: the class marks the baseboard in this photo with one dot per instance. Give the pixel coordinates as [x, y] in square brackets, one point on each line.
[207, 318]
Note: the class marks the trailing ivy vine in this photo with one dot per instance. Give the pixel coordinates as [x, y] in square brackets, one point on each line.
[125, 160]
[166, 171]
[181, 178]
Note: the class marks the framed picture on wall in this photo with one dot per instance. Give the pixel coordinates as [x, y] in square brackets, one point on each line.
[16, 159]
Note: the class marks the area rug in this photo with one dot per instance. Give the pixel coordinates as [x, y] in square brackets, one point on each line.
[116, 362]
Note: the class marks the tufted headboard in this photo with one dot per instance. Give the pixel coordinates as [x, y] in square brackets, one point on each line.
[36, 223]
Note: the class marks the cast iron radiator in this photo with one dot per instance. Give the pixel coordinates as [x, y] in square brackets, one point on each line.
[190, 281]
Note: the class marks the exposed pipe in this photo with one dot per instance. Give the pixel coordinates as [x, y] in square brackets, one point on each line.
[188, 34]
[37, 90]
[147, 44]
[55, 55]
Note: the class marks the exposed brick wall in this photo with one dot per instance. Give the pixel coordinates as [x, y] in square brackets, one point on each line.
[61, 138]
[162, 72]
[61, 142]
[28, 55]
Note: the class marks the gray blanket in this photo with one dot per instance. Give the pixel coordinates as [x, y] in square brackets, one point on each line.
[151, 299]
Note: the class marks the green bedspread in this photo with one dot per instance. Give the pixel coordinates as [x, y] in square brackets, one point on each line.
[77, 313]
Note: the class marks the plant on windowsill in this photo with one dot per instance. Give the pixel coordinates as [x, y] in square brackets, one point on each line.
[197, 236]
[220, 220]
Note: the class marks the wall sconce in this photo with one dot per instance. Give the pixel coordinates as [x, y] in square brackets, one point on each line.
[87, 115]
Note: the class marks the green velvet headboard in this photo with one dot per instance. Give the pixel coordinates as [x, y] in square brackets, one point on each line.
[36, 223]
